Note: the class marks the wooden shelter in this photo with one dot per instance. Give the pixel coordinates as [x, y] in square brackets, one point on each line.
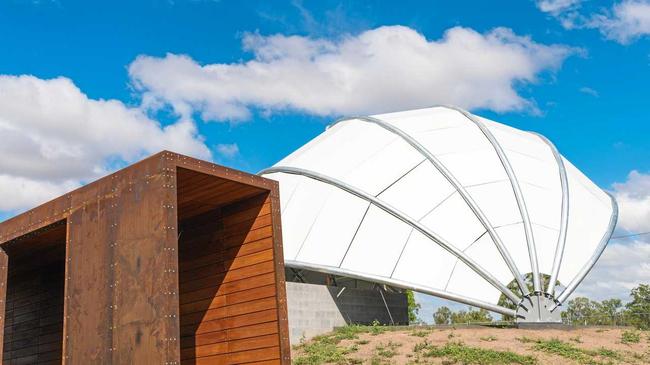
[172, 260]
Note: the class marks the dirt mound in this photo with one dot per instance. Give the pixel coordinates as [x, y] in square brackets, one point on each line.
[483, 345]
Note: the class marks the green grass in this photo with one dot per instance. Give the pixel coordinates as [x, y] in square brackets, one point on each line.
[329, 349]
[569, 351]
[387, 350]
[420, 333]
[607, 353]
[377, 330]
[320, 352]
[563, 349]
[326, 349]
[348, 332]
[524, 339]
[629, 337]
[376, 360]
[458, 352]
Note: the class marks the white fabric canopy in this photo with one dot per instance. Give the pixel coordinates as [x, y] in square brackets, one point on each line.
[441, 201]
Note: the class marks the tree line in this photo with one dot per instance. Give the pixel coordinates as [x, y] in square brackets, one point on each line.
[578, 311]
[635, 313]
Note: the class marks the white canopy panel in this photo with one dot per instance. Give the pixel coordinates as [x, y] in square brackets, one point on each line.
[441, 201]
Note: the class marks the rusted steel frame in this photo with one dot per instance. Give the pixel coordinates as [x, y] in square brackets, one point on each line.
[280, 280]
[60, 208]
[4, 261]
[114, 192]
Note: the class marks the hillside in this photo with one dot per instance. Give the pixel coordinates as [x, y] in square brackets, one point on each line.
[475, 345]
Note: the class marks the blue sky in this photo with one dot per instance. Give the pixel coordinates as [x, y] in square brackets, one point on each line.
[605, 135]
[579, 75]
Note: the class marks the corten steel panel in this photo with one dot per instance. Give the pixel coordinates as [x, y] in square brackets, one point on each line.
[121, 292]
[88, 297]
[280, 284]
[145, 316]
[3, 292]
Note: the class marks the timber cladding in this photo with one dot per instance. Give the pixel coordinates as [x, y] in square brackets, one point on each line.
[172, 260]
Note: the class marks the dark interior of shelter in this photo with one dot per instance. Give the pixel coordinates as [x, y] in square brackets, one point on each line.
[35, 293]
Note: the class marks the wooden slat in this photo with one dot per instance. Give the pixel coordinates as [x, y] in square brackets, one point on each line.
[229, 299]
[231, 322]
[204, 277]
[254, 235]
[226, 276]
[265, 362]
[228, 311]
[193, 262]
[34, 307]
[255, 330]
[230, 346]
[240, 268]
[206, 232]
[270, 353]
[227, 288]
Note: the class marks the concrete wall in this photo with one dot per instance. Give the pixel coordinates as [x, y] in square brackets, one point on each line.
[316, 309]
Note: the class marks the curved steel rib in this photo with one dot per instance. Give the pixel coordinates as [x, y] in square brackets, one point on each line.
[459, 188]
[401, 284]
[564, 217]
[401, 216]
[519, 196]
[592, 261]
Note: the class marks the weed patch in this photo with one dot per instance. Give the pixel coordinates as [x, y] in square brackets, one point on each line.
[524, 339]
[420, 333]
[571, 352]
[629, 337]
[319, 352]
[576, 339]
[459, 352]
[488, 339]
[387, 350]
[326, 349]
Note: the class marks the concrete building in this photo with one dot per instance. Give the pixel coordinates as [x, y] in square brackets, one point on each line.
[318, 303]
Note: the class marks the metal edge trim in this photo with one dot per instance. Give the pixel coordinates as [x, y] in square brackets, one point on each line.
[564, 216]
[571, 287]
[530, 239]
[401, 284]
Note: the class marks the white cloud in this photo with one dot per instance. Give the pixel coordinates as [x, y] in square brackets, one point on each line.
[625, 263]
[633, 197]
[556, 7]
[53, 138]
[589, 91]
[228, 150]
[626, 22]
[622, 267]
[388, 68]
